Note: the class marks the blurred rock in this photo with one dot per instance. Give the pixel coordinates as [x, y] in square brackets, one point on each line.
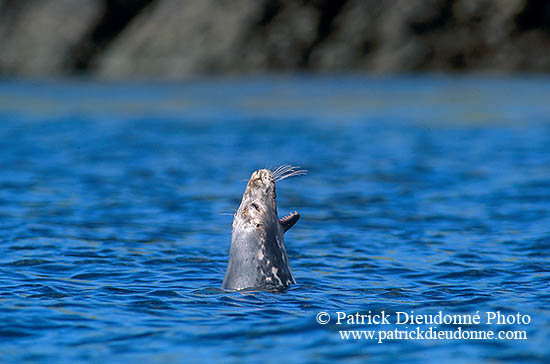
[37, 37]
[175, 39]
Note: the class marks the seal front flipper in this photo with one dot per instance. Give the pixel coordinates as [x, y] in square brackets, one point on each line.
[288, 221]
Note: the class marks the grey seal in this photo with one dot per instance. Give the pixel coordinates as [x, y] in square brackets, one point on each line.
[257, 256]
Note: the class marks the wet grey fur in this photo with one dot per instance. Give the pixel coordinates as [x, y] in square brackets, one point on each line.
[257, 257]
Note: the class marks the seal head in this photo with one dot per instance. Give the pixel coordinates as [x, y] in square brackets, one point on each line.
[257, 257]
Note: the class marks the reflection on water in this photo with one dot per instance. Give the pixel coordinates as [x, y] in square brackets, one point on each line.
[423, 194]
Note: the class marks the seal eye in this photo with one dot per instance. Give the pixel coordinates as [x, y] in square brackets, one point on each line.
[255, 206]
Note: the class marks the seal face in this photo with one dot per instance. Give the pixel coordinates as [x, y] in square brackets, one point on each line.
[257, 257]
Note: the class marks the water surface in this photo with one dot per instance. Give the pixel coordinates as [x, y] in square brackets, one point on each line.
[423, 193]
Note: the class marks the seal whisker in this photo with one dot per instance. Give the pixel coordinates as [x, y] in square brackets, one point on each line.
[293, 174]
[289, 171]
[285, 171]
[274, 171]
[281, 170]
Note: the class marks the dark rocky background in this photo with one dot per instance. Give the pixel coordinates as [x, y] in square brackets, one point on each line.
[174, 39]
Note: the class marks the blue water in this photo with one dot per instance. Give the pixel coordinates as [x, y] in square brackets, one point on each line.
[424, 193]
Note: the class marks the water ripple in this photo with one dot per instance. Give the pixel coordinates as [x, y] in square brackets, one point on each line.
[116, 227]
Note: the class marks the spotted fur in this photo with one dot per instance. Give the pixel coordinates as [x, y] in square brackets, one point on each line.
[257, 256]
